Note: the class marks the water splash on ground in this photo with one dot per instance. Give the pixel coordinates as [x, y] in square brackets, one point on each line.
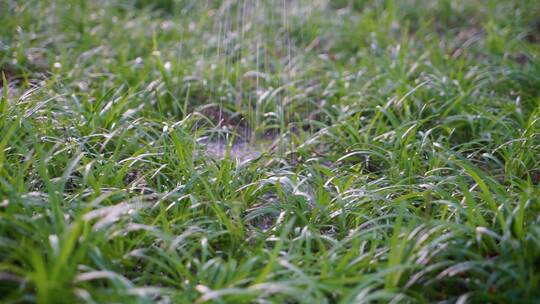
[240, 150]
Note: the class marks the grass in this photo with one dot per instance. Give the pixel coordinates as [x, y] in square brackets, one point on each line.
[404, 164]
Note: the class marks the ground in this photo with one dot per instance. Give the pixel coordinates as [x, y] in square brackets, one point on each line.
[269, 151]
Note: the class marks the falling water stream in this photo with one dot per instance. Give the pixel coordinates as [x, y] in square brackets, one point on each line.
[257, 58]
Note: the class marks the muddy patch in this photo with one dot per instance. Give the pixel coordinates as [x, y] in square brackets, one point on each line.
[246, 144]
[239, 150]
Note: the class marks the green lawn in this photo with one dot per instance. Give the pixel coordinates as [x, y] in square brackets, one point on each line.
[270, 151]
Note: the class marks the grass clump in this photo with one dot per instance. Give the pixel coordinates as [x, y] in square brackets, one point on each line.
[400, 158]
